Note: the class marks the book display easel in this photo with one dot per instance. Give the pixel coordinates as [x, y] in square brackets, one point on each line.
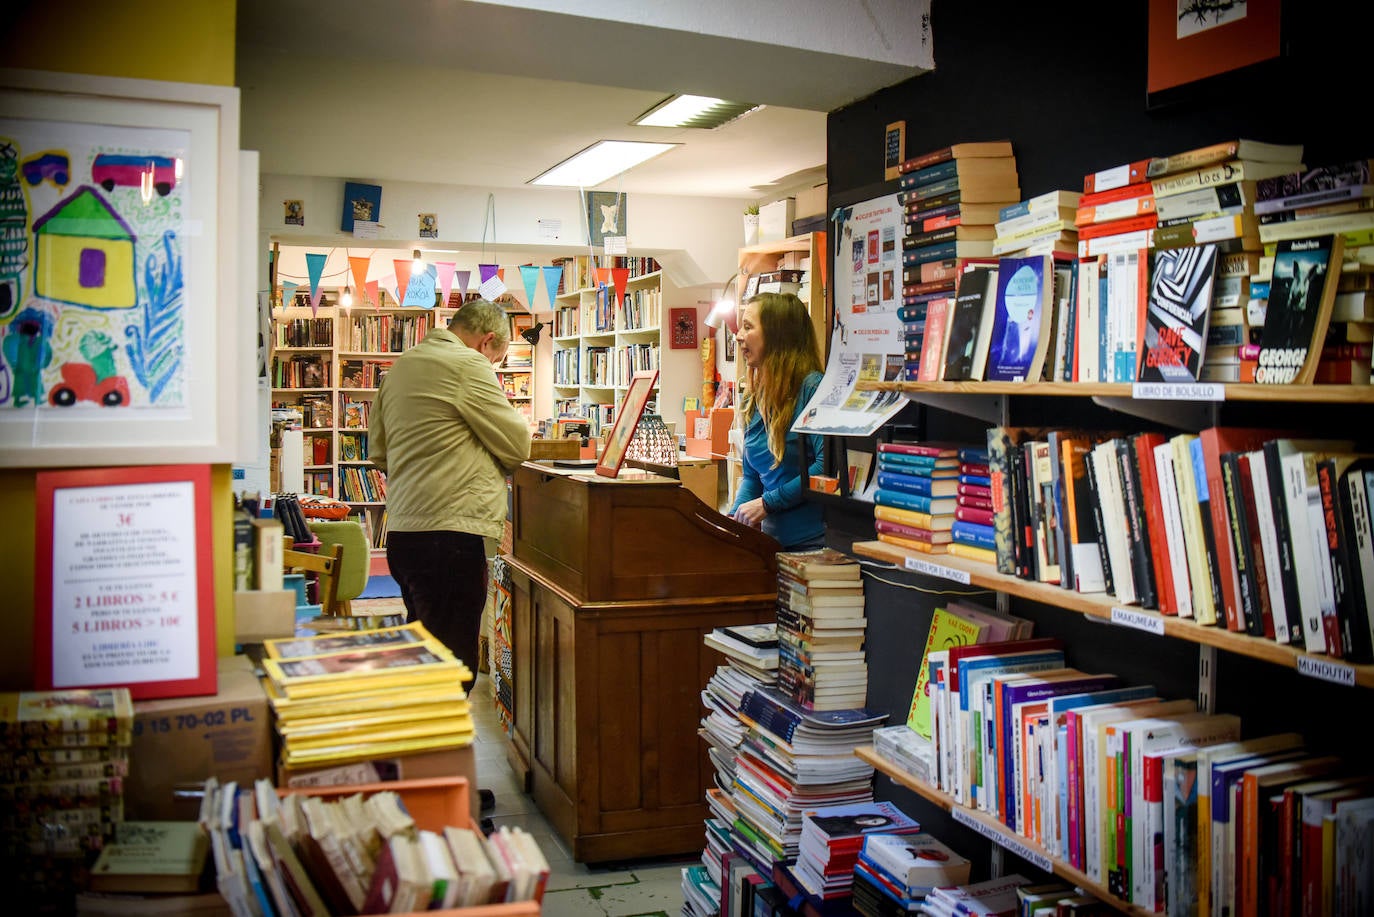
[328, 364]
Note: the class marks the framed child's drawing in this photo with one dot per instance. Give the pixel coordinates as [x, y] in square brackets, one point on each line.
[626, 419]
[119, 334]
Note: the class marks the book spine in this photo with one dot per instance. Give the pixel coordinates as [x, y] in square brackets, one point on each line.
[1244, 615]
[1142, 566]
[1342, 583]
[1193, 159]
[1095, 499]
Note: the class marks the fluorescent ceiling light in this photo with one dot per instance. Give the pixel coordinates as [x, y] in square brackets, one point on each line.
[693, 111]
[600, 161]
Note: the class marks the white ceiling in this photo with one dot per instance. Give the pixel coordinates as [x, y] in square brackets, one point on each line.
[490, 93]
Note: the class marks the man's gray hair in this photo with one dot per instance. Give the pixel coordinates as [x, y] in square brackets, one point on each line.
[481, 317]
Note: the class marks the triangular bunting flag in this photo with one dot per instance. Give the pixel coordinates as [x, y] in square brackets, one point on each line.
[314, 264]
[820, 247]
[485, 272]
[359, 266]
[603, 275]
[402, 278]
[445, 269]
[622, 277]
[529, 273]
[460, 283]
[288, 292]
[553, 276]
[371, 288]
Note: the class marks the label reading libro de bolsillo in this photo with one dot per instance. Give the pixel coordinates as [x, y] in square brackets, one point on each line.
[917, 565]
[1178, 391]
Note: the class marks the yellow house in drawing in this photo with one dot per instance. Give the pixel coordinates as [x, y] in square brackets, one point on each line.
[85, 254]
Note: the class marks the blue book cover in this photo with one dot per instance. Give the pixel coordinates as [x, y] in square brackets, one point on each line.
[1017, 346]
[884, 496]
[971, 533]
[973, 456]
[974, 672]
[979, 480]
[938, 172]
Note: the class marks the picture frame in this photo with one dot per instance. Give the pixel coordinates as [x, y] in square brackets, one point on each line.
[683, 328]
[1195, 48]
[152, 299]
[361, 203]
[894, 149]
[119, 553]
[626, 420]
[605, 216]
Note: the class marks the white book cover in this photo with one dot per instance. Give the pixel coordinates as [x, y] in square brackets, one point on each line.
[1107, 471]
[1086, 333]
[1204, 603]
[1306, 559]
[1173, 529]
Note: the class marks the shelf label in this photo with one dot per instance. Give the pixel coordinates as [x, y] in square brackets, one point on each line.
[1179, 391]
[999, 837]
[1327, 670]
[1140, 620]
[919, 565]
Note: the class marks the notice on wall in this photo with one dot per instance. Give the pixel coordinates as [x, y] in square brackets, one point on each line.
[866, 343]
[124, 584]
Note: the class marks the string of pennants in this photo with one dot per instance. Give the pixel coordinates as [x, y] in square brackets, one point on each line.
[417, 290]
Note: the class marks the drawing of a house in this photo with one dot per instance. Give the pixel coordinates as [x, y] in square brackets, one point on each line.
[85, 254]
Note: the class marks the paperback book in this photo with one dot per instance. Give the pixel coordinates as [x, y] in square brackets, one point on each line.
[1301, 294]
[1176, 317]
[1020, 320]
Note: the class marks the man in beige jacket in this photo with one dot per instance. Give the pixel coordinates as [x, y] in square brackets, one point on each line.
[444, 433]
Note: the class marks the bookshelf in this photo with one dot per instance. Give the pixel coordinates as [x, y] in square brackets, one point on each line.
[599, 343]
[794, 253]
[348, 351]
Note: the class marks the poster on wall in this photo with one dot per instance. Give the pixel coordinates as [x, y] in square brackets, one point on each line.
[124, 580]
[866, 343]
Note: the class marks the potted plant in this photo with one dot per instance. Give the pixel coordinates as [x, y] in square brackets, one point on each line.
[751, 224]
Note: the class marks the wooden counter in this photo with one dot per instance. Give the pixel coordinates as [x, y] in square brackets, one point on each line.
[615, 583]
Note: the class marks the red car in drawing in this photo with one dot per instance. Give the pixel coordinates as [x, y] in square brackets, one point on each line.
[80, 384]
[110, 169]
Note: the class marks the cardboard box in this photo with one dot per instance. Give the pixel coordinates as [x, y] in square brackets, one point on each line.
[811, 201]
[447, 762]
[718, 444]
[264, 615]
[181, 741]
[775, 219]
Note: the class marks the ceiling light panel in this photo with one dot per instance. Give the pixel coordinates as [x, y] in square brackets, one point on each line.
[600, 161]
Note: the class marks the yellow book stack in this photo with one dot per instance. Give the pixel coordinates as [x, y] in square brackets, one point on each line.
[366, 694]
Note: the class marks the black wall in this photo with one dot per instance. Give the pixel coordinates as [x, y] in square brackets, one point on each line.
[1066, 84]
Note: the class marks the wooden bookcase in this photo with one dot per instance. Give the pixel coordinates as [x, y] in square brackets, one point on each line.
[350, 350]
[767, 257]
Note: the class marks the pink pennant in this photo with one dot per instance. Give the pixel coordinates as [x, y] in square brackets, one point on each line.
[460, 281]
[402, 278]
[444, 270]
[371, 288]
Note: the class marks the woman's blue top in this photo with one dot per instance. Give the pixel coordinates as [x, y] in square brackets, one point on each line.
[791, 520]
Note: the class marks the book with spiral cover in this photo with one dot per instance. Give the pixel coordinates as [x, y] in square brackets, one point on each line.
[1176, 316]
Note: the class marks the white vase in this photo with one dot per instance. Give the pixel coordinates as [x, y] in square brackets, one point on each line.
[751, 229]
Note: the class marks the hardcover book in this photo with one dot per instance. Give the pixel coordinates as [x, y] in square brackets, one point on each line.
[1300, 298]
[1176, 317]
[966, 351]
[1021, 320]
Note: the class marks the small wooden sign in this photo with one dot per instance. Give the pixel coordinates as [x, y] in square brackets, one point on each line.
[894, 149]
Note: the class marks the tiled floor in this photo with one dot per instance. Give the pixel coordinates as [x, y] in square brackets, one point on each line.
[574, 889]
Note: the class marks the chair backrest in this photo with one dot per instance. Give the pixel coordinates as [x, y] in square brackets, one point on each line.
[325, 565]
[357, 554]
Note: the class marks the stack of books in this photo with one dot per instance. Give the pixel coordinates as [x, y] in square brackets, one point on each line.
[895, 873]
[832, 838]
[995, 896]
[63, 759]
[348, 697]
[793, 760]
[951, 199]
[821, 625]
[1326, 201]
[918, 485]
[972, 530]
[1041, 225]
[751, 651]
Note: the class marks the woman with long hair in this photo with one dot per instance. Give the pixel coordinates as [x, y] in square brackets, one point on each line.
[777, 343]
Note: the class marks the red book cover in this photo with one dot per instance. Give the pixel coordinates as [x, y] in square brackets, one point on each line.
[996, 649]
[977, 492]
[975, 469]
[1216, 442]
[978, 516]
[320, 447]
[1116, 227]
[1120, 193]
[1145, 444]
[937, 450]
[1117, 177]
[935, 286]
[974, 502]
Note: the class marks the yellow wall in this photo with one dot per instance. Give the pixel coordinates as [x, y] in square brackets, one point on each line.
[147, 39]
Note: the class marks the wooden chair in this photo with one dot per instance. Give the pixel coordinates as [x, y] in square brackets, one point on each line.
[350, 577]
[325, 565]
